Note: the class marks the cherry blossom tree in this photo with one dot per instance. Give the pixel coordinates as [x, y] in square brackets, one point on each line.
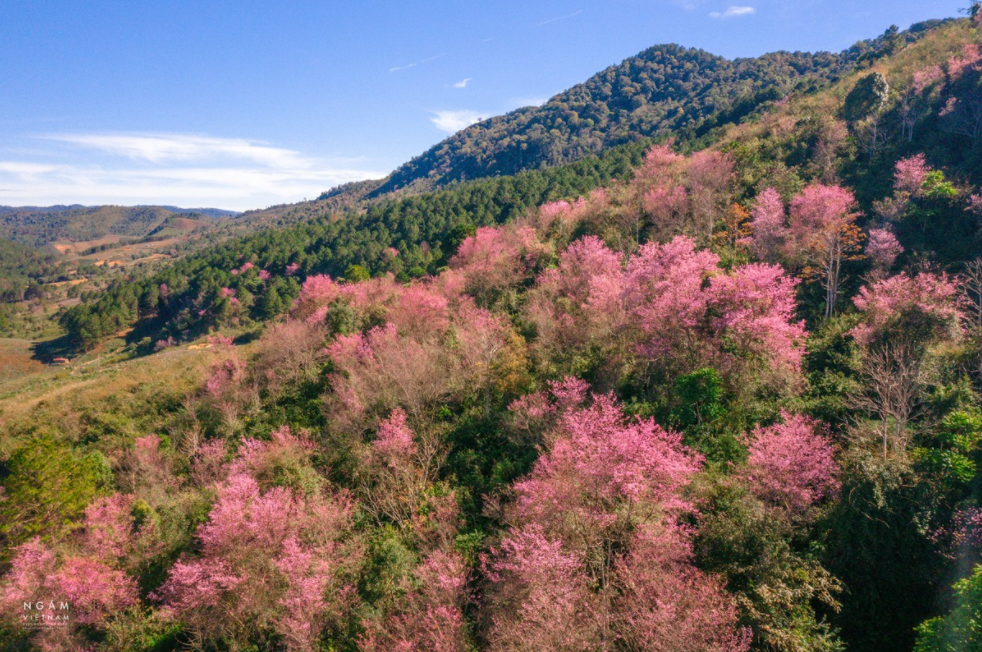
[540, 597]
[710, 177]
[399, 469]
[671, 306]
[665, 603]
[909, 175]
[270, 562]
[596, 553]
[792, 466]
[768, 226]
[882, 249]
[377, 371]
[86, 579]
[494, 259]
[822, 225]
[923, 307]
[664, 290]
[430, 615]
[753, 310]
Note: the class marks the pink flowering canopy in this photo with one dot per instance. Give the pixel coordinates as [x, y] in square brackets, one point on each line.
[791, 465]
[930, 303]
[271, 559]
[671, 304]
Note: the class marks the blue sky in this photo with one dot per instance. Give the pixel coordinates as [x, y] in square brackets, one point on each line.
[249, 103]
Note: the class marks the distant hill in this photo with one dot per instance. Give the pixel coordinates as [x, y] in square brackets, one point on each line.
[38, 226]
[666, 90]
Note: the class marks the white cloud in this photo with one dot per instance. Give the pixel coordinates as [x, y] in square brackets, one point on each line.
[453, 121]
[734, 11]
[176, 169]
[462, 83]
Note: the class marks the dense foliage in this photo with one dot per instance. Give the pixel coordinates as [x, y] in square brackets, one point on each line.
[23, 270]
[38, 226]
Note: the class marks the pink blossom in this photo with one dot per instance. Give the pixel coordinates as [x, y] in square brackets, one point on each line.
[598, 460]
[554, 209]
[882, 249]
[225, 375]
[429, 616]
[271, 562]
[540, 598]
[910, 173]
[94, 590]
[791, 465]
[164, 344]
[769, 230]
[819, 207]
[221, 340]
[665, 603]
[494, 259]
[664, 289]
[971, 58]
[975, 204]
[755, 308]
[927, 77]
[394, 438]
[931, 299]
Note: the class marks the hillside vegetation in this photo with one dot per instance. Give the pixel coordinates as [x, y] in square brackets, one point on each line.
[39, 226]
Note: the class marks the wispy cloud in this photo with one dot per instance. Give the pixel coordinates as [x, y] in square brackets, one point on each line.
[462, 83]
[162, 147]
[453, 121]
[416, 63]
[733, 11]
[177, 169]
[559, 18]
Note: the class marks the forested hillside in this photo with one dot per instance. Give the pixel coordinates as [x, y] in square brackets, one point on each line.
[665, 90]
[23, 267]
[716, 393]
[37, 227]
